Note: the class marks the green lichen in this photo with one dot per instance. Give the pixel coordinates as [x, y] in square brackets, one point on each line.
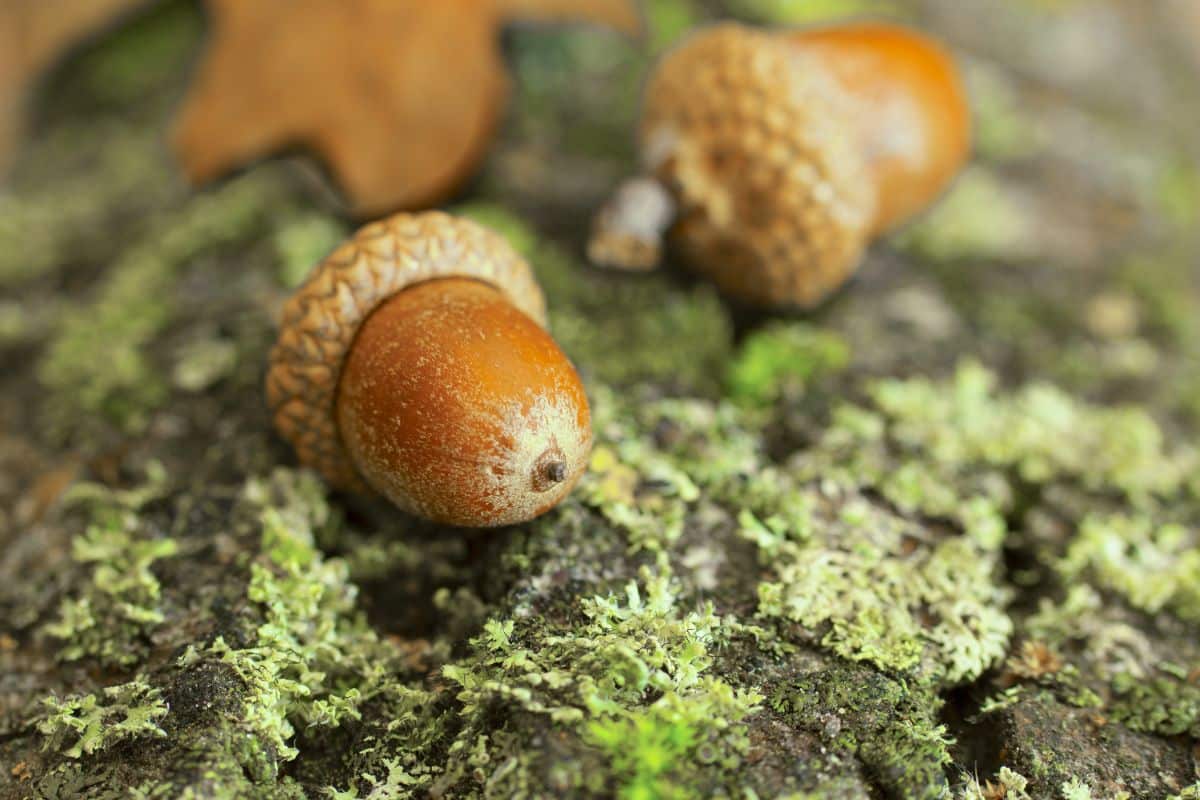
[81, 725]
[632, 667]
[1115, 668]
[1166, 705]
[395, 784]
[1178, 190]
[870, 581]
[200, 363]
[980, 217]
[1075, 789]
[313, 662]
[1163, 288]
[864, 580]
[118, 607]
[889, 544]
[963, 428]
[98, 363]
[1009, 784]
[1153, 566]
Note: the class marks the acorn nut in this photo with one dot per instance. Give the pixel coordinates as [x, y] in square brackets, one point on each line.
[413, 362]
[774, 157]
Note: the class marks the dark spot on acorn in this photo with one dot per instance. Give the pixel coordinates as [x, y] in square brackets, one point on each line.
[556, 472]
[550, 470]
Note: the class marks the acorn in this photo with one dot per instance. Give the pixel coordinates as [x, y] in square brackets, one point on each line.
[414, 363]
[772, 158]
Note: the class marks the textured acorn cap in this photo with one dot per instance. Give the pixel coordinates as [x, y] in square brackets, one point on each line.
[754, 138]
[321, 319]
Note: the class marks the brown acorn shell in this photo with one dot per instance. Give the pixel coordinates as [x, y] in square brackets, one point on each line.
[775, 199]
[912, 120]
[461, 409]
[321, 319]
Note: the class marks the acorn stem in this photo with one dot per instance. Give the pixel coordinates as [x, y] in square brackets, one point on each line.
[628, 231]
[556, 472]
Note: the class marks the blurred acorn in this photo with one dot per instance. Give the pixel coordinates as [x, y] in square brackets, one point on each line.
[773, 158]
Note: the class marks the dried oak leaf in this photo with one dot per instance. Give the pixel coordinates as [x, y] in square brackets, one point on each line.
[33, 35]
[398, 97]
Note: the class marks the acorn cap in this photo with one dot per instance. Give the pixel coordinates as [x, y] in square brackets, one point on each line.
[756, 141]
[321, 319]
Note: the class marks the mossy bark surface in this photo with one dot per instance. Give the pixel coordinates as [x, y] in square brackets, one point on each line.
[939, 538]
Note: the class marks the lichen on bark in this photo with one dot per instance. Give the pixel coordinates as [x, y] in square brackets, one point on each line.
[935, 539]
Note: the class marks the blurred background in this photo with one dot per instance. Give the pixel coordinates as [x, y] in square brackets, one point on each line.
[1067, 251]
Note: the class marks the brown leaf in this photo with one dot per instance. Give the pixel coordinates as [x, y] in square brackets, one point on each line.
[398, 97]
[33, 35]
[617, 14]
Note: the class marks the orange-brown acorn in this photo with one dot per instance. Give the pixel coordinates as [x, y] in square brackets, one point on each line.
[774, 157]
[413, 362]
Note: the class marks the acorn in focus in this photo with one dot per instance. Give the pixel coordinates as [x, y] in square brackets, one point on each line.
[773, 158]
[414, 363]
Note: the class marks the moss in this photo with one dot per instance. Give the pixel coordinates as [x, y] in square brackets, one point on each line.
[301, 242]
[1003, 129]
[668, 21]
[52, 223]
[781, 360]
[891, 728]
[621, 332]
[86, 724]
[794, 12]
[653, 751]
[1178, 190]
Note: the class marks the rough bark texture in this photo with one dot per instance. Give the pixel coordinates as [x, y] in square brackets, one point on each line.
[939, 538]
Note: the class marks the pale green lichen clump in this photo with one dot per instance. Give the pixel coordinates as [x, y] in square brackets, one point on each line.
[851, 599]
[84, 724]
